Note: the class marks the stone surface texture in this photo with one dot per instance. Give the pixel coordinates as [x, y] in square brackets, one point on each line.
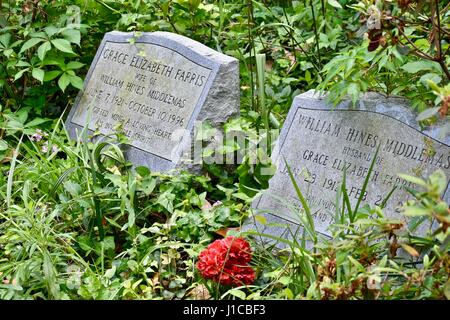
[158, 86]
[318, 140]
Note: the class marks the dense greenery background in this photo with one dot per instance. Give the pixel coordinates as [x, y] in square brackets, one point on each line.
[76, 222]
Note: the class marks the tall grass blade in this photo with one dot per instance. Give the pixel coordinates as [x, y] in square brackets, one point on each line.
[366, 183]
[303, 202]
[261, 74]
[11, 173]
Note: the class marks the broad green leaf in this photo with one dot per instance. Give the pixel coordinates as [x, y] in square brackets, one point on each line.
[35, 122]
[22, 63]
[51, 30]
[438, 179]
[335, 3]
[433, 86]
[356, 263]
[414, 67]
[413, 179]
[110, 272]
[72, 36]
[30, 43]
[50, 75]
[430, 77]
[38, 74]
[64, 81]
[62, 45]
[447, 290]
[77, 82]
[166, 200]
[49, 271]
[3, 145]
[261, 219]
[19, 74]
[148, 185]
[416, 211]
[237, 293]
[54, 61]
[143, 171]
[22, 115]
[73, 188]
[4, 39]
[74, 65]
[43, 49]
[289, 294]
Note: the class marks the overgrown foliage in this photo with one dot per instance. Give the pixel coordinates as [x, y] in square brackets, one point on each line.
[77, 222]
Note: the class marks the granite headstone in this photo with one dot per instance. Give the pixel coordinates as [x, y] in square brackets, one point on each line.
[318, 141]
[157, 86]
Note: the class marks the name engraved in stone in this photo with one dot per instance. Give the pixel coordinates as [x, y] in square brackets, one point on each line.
[321, 145]
[149, 89]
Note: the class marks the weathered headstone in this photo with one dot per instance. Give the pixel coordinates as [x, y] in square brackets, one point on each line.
[157, 85]
[319, 141]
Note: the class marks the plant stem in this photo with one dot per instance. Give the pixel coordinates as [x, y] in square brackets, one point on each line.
[316, 34]
[252, 47]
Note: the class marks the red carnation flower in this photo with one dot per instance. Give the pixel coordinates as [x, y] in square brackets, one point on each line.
[226, 261]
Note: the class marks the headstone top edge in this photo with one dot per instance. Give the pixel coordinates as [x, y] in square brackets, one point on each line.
[390, 105]
[371, 97]
[191, 44]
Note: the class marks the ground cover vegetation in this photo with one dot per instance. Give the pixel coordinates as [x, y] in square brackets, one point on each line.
[78, 222]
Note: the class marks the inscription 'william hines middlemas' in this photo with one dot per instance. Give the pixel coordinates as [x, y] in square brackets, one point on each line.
[320, 143]
[156, 88]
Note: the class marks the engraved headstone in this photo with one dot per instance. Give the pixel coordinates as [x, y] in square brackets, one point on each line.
[318, 142]
[157, 86]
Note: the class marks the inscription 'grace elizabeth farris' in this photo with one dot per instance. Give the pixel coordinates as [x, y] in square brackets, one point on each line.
[156, 86]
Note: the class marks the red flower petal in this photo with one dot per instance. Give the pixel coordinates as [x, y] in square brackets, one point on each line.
[226, 261]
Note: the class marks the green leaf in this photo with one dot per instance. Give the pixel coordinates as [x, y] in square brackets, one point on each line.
[51, 30]
[413, 179]
[166, 200]
[62, 45]
[261, 219]
[35, 122]
[77, 82]
[148, 185]
[19, 74]
[334, 3]
[4, 39]
[110, 272]
[38, 74]
[22, 63]
[49, 271]
[439, 180]
[73, 188]
[64, 81]
[3, 145]
[74, 65]
[416, 211]
[72, 35]
[431, 76]
[43, 49]
[54, 61]
[50, 75]
[447, 290]
[414, 67]
[237, 293]
[30, 43]
[143, 171]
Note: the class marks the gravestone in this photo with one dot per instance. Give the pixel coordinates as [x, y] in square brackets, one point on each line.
[157, 86]
[319, 141]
